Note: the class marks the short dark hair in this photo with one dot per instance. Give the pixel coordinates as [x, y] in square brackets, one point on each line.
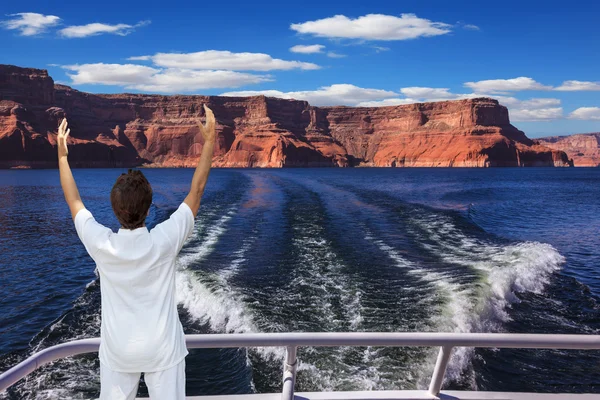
[131, 197]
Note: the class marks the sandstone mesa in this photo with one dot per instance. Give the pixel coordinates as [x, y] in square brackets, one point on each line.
[583, 148]
[124, 130]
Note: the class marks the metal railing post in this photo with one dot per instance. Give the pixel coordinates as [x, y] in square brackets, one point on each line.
[440, 370]
[289, 373]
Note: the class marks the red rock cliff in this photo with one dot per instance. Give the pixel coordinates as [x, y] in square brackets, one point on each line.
[583, 148]
[135, 129]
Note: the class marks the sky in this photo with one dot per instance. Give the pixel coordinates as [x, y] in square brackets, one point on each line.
[541, 59]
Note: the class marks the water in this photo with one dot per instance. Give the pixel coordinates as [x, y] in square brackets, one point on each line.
[452, 250]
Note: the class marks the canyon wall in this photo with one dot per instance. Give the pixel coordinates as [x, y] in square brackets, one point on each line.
[122, 130]
[583, 148]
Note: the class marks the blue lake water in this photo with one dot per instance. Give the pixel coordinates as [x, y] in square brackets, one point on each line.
[390, 250]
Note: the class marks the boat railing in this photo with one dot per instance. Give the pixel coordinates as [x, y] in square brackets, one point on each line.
[292, 341]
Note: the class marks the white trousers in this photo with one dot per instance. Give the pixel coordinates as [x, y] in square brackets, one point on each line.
[162, 385]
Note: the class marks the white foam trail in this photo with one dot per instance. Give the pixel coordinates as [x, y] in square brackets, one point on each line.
[76, 373]
[201, 251]
[208, 305]
[324, 272]
[454, 317]
[227, 273]
[209, 297]
[217, 305]
[505, 270]
[322, 276]
[377, 371]
[482, 305]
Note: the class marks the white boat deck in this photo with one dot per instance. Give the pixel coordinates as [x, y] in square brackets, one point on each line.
[291, 341]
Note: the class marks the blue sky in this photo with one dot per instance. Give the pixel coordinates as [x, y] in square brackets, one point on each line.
[540, 59]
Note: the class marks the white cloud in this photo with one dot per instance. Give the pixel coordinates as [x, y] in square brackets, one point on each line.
[534, 109]
[110, 74]
[421, 95]
[387, 102]
[267, 93]
[226, 60]
[373, 27]
[339, 94]
[176, 72]
[181, 80]
[471, 27]
[539, 103]
[332, 54]
[143, 78]
[428, 93]
[510, 101]
[30, 24]
[347, 94]
[171, 80]
[80, 31]
[506, 85]
[379, 49]
[541, 114]
[140, 58]
[586, 113]
[307, 49]
[572, 86]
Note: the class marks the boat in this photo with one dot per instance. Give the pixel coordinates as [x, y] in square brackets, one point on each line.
[292, 341]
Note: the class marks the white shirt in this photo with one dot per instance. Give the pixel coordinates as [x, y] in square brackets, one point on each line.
[140, 331]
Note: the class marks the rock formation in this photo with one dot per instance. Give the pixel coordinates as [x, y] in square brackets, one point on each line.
[122, 130]
[583, 148]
